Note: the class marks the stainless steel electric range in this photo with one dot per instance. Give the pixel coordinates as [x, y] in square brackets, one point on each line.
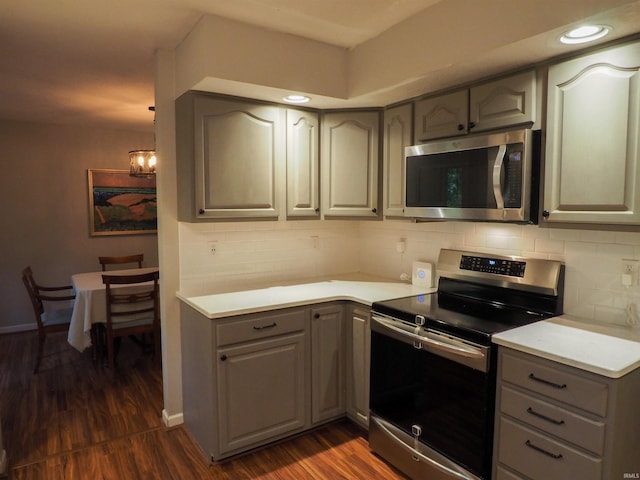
[433, 366]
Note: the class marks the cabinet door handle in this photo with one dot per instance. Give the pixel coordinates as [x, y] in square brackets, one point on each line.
[547, 382]
[263, 327]
[374, 210]
[223, 357]
[544, 417]
[460, 127]
[201, 211]
[546, 214]
[471, 125]
[316, 315]
[557, 456]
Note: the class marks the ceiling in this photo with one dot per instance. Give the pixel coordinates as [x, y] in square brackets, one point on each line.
[92, 62]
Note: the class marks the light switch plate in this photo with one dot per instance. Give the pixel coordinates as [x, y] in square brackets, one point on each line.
[422, 275]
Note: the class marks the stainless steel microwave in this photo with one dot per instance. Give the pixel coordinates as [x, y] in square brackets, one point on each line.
[491, 177]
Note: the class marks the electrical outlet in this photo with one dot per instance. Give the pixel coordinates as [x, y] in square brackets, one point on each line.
[212, 247]
[630, 272]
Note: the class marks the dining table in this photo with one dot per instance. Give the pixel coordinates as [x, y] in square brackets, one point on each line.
[90, 306]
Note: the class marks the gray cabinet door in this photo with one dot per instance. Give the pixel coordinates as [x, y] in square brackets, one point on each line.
[441, 116]
[359, 348]
[592, 155]
[327, 363]
[350, 157]
[303, 136]
[239, 158]
[504, 102]
[261, 391]
[398, 130]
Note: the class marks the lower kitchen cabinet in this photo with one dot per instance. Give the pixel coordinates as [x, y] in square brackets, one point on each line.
[358, 351]
[245, 378]
[327, 363]
[555, 421]
[249, 380]
[261, 390]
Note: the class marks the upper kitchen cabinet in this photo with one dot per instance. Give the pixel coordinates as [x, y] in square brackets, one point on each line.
[398, 129]
[231, 157]
[349, 163]
[593, 139]
[496, 104]
[303, 133]
[442, 116]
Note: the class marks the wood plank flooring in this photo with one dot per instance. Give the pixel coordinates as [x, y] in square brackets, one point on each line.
[74, 421]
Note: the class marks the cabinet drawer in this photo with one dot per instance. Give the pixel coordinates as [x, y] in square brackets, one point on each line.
[540, 458]
[567, 387]
[263, 326]
[552, 419]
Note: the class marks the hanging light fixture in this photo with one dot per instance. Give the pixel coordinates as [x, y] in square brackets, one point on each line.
[142, 163]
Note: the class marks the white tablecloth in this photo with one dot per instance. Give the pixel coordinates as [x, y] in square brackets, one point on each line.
[90, 304]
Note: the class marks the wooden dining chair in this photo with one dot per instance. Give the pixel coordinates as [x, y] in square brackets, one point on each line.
[133, 308]
[104, 261]
[49, 320]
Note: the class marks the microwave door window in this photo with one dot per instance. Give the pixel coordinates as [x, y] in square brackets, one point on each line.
[451, 180]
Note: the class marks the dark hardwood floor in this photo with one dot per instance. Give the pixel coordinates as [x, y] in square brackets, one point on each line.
[74, 421]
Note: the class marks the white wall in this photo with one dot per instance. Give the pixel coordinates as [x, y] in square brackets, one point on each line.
[251, 253]
[593, 259]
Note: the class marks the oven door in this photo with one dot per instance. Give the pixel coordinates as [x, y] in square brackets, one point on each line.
[431, 392]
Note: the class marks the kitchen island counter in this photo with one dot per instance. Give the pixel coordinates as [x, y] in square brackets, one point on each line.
[604, 349]
[360, 288]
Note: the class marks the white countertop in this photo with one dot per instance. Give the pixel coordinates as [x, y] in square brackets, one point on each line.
[608, 350]
[358, 288]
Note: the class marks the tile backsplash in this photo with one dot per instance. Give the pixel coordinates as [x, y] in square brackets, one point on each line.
[247, 253]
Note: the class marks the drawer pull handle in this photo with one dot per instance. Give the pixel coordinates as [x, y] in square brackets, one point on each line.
[544, 417]
[557, 456]
[547, 382]
[263, 327]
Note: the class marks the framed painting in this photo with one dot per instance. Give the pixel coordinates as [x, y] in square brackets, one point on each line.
[120, 204]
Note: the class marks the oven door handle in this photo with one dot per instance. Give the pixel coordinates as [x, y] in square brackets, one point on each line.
[445, 347]
[458, 347]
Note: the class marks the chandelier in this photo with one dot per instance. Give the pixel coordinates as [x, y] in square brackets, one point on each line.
[142, 163]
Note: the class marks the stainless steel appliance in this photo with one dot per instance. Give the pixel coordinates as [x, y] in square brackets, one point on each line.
[489, 177]
[433, 367]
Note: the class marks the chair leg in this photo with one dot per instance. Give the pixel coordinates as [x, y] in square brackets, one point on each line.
[41, 339]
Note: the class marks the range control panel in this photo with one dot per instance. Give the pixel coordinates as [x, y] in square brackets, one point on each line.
[499, 266]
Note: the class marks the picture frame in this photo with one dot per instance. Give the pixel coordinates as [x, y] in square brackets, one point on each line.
[121, 204]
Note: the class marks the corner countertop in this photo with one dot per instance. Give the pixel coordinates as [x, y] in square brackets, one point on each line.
[604, 349]
[360, 288]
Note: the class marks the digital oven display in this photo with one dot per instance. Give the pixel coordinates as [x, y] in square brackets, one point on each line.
[511, 268]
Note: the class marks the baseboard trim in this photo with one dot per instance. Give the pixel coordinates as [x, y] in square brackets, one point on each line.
[25, 327]
[172, 420]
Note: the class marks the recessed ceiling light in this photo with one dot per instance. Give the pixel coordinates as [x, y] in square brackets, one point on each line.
[586, 33]
[296, 99]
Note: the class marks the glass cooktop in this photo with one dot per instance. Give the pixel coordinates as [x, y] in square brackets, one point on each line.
[470, 319]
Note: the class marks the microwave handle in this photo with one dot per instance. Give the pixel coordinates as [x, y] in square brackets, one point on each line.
[497, 176]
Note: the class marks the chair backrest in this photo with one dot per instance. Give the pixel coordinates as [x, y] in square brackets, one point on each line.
[104, 261]
[136, 297]
[32, 289]
[38, 294]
